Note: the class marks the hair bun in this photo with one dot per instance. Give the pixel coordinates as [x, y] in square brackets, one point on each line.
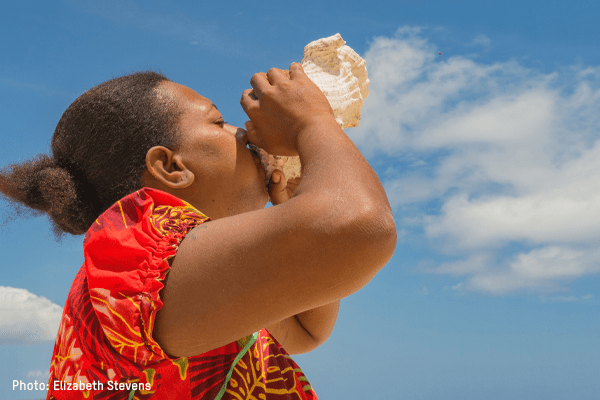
[60, 193]
[42, 185]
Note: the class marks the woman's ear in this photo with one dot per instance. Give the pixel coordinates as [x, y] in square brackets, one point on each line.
[167, 168]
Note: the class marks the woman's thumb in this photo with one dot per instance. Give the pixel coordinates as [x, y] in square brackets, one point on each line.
[277, 188]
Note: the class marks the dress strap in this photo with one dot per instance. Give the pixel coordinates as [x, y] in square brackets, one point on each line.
[237, 359]
[241, 354]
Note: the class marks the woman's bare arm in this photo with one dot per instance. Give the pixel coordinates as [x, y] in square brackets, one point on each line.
[306, 331]
[236, 275]
[310, 329]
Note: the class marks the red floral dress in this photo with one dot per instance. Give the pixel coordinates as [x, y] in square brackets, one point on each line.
[105, 349]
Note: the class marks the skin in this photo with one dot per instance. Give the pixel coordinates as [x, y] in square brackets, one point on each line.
[284, 267]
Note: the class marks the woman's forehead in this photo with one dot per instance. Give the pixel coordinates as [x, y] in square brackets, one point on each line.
[184, 97]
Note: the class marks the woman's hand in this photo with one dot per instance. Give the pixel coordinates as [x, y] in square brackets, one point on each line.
[282, 104]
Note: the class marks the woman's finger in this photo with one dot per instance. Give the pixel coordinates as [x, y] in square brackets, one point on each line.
[250, 93]
[248, 100]
[297, 71]
[252, 134]
[259, 82]
[277, 188]
[276, 75]
[250, 129]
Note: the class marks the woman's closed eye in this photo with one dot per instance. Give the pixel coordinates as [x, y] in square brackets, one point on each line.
[222, 122]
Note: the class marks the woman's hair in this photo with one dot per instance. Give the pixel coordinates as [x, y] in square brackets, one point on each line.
[98, 152]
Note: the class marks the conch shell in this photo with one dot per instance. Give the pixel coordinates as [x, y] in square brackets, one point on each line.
[341, 74]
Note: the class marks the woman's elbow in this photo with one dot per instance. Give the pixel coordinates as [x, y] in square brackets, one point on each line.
[387, 236]
[365, 248]
[376, 235]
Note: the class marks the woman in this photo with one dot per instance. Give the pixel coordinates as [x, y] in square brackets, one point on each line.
[190, 287]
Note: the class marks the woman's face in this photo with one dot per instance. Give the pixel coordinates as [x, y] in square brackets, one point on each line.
[228, 178]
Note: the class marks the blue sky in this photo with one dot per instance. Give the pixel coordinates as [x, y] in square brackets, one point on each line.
[489, 154]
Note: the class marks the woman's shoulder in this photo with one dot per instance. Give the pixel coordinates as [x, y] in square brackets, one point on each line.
[129, 247]
[157, 212]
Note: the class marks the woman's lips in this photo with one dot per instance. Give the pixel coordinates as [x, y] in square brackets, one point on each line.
[258, 161]
[261, 157]
[255, 155]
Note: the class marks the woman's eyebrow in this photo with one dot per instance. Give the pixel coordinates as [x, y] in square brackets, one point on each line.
[215, 107]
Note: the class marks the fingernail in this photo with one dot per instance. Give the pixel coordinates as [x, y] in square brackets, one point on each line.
[276, 178]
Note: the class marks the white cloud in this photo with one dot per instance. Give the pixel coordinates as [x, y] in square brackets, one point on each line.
[26, 318]
[542, 269]
[38, 374]
[510, 154]
[482, 40]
